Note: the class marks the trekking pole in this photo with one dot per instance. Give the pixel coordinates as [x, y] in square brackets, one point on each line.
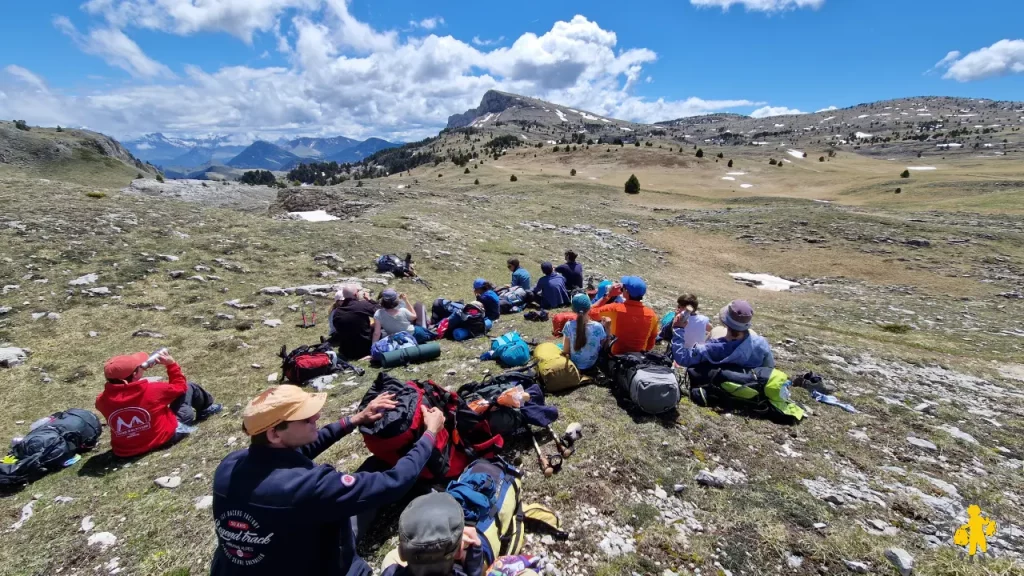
[544, 464]
[564, 450]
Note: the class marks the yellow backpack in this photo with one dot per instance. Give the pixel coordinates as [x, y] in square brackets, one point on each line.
[557, 372]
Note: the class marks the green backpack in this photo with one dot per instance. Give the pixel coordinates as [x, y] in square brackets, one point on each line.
[762, 390]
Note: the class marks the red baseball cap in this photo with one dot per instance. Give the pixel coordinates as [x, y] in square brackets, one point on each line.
[122, 367]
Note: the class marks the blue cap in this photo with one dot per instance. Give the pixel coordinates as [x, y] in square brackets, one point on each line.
[479, 283]
[634, 286]
[546, 267]
[580, 303]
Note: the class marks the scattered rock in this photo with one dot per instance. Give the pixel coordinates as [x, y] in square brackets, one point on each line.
[901, 559]
[93, 334]
[26, 513]
[176, 273]
[87, 524]
[5, 310]
[231, 441]
[660, 493]
[678, 488]
[273, 323]
[11, 357]
[84, 280]
[63, 499]
[236, 303]
[960, 434]
[197, 278]
[204, 502]
[146, 334]
[100, 291]
[272, 377]
[168, 257]
[857, 567]
[322, 383]
[922, 443]
[169, 482]
[102, 540]
[794, 561]
[705, 478]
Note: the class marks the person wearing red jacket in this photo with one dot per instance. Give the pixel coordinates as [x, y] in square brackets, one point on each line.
[144, 414]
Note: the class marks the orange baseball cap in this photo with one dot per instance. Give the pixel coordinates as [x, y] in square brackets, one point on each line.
[122, 367]
[279, 404]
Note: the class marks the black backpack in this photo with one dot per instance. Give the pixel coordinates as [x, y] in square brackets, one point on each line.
[49, 447]
[443, 308]
[502, 419]
[475, 322]
[395, 265]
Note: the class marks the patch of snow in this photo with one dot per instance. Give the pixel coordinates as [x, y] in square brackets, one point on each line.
[561, 115]
[759, 143]
[921, 168]
[480, 121]
[864, 135]
[314, 216]
[589, 117]
[764, 281]
[728, 178]
[626, 129]
[947, 146]
[863, 116]
[823, 201]
[736, 173]
[746, 185]
[523, 136]
[780, 125]
[605, 120]
[593, 178]
[925, 114]
[795, 154]
[829, 118]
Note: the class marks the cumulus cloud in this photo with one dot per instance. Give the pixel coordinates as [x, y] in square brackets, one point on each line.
[829, 109]
[117, 49]
[427, 23]
[767, 111]
[1000, 59]
[760, 5]
[479, 42]
[343, 76]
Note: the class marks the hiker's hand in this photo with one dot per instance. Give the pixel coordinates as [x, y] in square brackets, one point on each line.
[615, 291]
[375, 409]
[165, 359]
[403, 297]
[681, 320]
[470, 537]
[433, 418]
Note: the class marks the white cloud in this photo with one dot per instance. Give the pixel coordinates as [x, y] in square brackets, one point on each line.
[760, 5]
[27, 77]
[115, 48]
[1000, 59]
[829, 109]
[953, 56]
[427, 23]
[345, 77]
[478, 42]
[767, 111]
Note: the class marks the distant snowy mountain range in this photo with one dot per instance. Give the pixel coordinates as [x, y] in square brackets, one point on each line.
[191, 154]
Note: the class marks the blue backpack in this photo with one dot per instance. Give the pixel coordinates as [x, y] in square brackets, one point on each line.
[510, 350]
[393, 342]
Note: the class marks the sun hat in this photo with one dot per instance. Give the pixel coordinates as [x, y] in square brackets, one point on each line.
[430, 530]
[634, 286]
[580, 303]
[285, 403]
[737, 315]
[122, 367]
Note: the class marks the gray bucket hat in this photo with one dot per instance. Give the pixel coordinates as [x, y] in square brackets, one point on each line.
[738, 315]
[430, 531]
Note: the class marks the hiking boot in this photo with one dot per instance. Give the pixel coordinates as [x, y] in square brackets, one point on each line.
[812, 381]
[210, 411]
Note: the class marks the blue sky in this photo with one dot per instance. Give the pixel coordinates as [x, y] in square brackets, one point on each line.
[398, 69]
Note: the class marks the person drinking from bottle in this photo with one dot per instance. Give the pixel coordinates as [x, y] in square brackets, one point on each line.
[144, 414]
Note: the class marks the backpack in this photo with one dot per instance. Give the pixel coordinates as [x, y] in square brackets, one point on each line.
[307, 362]
[557, 373]
[761, 390]
[510, 350]
[443, 308]
[503, 420]
[395, 265]
[51, 446]
[390, 343]
[558, 322]
[512, 301]
[648, 380]
[465, 435]
[491, 498]
[469, 318]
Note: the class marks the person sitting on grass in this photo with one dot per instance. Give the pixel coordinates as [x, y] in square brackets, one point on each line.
[277, 512]
[144, 414]
[634, 326]
[433, 540]
[485, 294]
[698, 326]
[602, 291]
[582, 345]
[739, 348]
[520, 275]
[395, 315]
[351, 322]
[550, 290]
[572, 271]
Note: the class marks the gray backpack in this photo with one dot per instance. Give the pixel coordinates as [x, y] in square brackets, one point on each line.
[648, 380]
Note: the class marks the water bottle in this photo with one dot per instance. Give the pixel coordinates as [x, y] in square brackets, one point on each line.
[151, 361]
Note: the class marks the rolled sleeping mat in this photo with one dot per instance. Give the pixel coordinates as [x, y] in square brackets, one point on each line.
[411, 355]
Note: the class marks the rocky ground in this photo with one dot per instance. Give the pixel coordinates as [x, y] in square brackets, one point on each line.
[906, 313]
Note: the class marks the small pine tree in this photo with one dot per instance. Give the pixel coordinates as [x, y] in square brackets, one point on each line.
[139, 176]
[700, 153]
[805, 154]
[159, 177]
[21, 125]
[572, 172]
[721, 155]
[59, 129]
[772, 161]
[513, 178]
[632, 185]
[730, 163]
[905, 174]
[637, 143]
[439, 175]
[821, 159]
[477, 181]
[466, 171]
[899, 190]
[359, 183]
[556, 149]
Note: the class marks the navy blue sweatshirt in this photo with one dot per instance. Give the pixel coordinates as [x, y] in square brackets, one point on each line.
[573, 273]
[277, 512]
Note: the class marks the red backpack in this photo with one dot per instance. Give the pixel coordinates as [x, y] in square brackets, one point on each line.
[464, 438]
[307, 362]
